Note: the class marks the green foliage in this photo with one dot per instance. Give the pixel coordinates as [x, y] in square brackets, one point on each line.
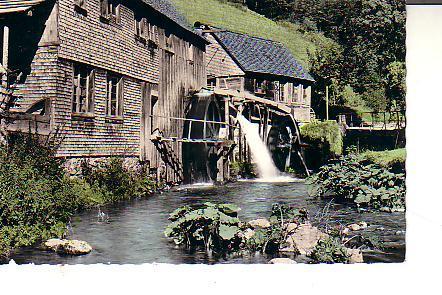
[211, 227]
[330, 251]
[110, 182]
[35, 198]
[363, 184]
[392, 160]
[243, 169]
[243, 20]
[396, 84]
[325, 138]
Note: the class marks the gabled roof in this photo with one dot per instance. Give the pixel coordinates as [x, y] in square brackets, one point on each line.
[166, 8]
[262, 56]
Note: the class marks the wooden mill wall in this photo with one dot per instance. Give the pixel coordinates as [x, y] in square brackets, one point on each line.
[182, 72]
[173, 69]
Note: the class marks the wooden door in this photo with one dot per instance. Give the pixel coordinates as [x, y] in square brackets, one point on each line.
[146, 126]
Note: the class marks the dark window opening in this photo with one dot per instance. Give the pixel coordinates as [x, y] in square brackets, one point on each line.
[83, 90]
[114, 96]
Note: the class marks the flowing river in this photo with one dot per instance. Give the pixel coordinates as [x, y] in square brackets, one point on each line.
[134, 232]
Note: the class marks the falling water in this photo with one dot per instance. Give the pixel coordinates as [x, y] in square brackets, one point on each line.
[260, 153]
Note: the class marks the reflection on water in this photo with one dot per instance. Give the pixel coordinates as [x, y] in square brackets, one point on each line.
[134, 232]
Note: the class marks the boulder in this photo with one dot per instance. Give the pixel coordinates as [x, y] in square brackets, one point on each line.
[363, 224]
[304, 239]
[291, 227]
[261, 222]
[53, 244]
[354, 227]
[282, 261]
[72, 247]
[355, 255]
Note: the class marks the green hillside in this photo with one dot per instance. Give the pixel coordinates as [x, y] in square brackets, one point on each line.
[242, 20]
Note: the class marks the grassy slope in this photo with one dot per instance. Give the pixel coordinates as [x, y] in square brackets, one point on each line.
[243, 20]
[386, 158]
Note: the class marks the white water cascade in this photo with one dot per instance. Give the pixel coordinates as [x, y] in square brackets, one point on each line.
[267, 170]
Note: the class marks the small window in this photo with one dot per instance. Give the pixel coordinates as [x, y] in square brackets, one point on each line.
[110, 11]
[80, 6]
[83, 90]
[190, 52]
[282, 91]
[295, 96]
[114, 96]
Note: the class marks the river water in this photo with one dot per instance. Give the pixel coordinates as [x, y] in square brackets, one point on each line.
[134, 232]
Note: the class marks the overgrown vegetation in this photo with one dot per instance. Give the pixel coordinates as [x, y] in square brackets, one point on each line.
[37, 199]
[325, 140]
[394, 160]
[364, 184]
[242, 169]
[355, 53]
[217, 229]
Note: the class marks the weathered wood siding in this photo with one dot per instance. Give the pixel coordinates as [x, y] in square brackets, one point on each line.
[171, 72]
[219, 62]
[182, 72]
[113, 47]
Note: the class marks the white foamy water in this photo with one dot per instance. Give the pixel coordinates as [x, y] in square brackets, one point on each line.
[267, 170]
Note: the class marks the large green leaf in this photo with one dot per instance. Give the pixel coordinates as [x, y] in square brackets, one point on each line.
[227, 232]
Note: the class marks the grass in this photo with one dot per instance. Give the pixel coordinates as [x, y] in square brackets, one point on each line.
[242, 20]
[327, 133]
[386, 158]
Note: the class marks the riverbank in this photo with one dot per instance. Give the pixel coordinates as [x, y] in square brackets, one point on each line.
[133, 233]
[38, 199]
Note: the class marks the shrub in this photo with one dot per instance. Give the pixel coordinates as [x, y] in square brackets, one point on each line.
[394, 160]
[367, 185]
[36, 200]
[242, 169]
[325, 140]
[330, 251]
[112, 183]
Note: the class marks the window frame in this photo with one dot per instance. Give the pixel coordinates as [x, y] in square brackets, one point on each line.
[119, 96]
[89, 99]
[106, 11]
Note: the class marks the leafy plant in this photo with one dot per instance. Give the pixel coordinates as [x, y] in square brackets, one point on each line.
[330, 251]
[210, 226]
[364, 184]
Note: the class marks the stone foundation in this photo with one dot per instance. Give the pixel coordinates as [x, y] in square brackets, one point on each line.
[73, 166]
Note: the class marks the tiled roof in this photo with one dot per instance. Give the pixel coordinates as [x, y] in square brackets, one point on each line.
[261, 55]
[168, 9]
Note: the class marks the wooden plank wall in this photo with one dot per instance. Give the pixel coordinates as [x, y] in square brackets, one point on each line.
[182, 72]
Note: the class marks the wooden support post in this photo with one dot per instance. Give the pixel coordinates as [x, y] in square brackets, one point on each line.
[5, 58]
[326, 102]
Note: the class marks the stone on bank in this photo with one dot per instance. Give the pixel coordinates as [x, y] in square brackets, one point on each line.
[71, 247]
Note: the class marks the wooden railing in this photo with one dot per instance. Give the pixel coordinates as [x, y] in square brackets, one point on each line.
[374, 120]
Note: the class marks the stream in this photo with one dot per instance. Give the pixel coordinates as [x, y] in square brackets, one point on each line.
[134, 231]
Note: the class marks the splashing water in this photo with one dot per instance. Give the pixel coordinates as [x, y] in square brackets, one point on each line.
[267, 170]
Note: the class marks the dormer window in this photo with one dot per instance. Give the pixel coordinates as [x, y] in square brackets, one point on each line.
[110, 11]
[144, 31]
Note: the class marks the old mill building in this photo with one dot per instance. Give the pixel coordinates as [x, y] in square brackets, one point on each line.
[134, 79]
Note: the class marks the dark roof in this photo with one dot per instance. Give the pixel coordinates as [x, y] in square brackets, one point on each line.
[263, 56]
[168, 9]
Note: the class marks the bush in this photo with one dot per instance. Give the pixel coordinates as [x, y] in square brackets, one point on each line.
[36, 200]
[325, 140]
[366, 185]
[330, 251]
[243, 169]
[110, 182]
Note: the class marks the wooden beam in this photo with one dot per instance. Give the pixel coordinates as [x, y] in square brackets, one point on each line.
[5, 58]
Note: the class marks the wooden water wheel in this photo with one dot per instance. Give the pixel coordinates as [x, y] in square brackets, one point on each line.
[201, 156]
